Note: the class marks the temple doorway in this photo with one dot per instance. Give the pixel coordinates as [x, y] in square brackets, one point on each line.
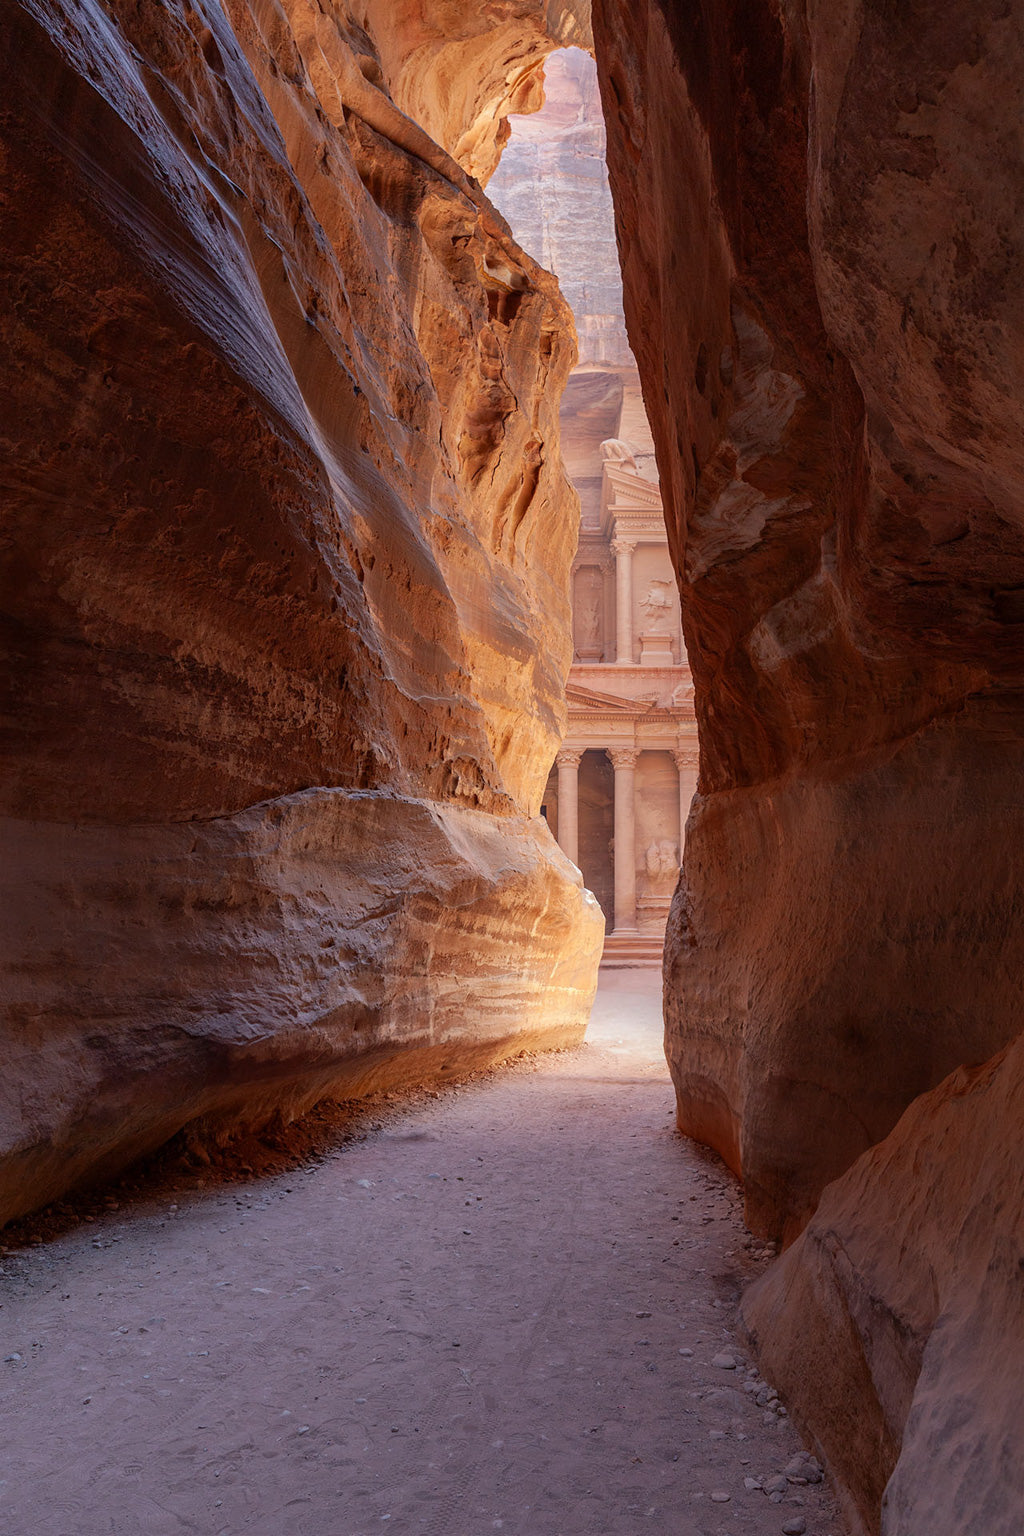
[597, 828]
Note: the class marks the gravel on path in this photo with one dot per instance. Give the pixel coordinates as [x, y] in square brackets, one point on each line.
[512, 1307]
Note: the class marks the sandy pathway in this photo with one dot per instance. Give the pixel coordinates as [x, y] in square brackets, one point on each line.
[469, 1322]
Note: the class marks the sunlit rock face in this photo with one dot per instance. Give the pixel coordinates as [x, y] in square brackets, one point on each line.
[821, 229]
[285, 593]
[461, 70]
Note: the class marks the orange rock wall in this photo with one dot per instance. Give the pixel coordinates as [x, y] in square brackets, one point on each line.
[284, 604]
[821, 230]
[822, 290]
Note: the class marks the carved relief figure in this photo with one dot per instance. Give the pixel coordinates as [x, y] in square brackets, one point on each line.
[589, 612]
[590, 618]
[656, 605]
[661, 864]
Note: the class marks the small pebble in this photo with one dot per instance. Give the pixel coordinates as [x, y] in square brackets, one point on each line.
[795, 1527]
[687, 1354]
[724, 1362]
[721, 1497]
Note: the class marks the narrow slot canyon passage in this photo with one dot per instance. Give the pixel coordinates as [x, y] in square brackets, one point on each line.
[363, 595]
[497, 1311]
[619, 792]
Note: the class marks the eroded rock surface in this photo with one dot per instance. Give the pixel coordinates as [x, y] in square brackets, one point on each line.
[820, 219]
[894, 1325]
[820, 236]
[287, 542]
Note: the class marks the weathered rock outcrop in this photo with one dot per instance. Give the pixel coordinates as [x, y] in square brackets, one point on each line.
[821, 225]
[820, 222]
[284, 605]
[897, 1317]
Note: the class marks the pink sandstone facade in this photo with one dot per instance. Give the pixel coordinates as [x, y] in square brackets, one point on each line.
[619, 792]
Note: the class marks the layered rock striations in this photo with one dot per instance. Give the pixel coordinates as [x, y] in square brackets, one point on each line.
[285, 611]
[820, 222]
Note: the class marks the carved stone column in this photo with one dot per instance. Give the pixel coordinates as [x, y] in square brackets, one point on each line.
[686, 762]
[624, 763]
[568, 762]
[608, 574]
[623, 551]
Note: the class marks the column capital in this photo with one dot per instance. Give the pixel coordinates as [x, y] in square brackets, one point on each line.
[687, 757]
[623, 757]
[622, 546]
[569, 757]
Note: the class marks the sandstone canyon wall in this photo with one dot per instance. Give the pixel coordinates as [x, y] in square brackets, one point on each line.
[820, 219]
[286, 544]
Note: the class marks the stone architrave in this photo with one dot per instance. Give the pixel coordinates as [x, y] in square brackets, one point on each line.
[568, 762]
[624, 762]
[623, 551]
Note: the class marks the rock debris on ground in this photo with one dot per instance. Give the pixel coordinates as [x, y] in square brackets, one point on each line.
[510, 1307]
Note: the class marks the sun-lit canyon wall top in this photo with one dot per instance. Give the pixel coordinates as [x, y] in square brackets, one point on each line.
[289, 549]
[619, 795]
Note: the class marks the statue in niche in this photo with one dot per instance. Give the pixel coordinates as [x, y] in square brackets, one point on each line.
[615, 451]
[590, 618]
[661, 865]
[656, 605]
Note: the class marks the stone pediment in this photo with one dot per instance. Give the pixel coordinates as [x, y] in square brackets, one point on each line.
[625, 489]
[605, 703]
